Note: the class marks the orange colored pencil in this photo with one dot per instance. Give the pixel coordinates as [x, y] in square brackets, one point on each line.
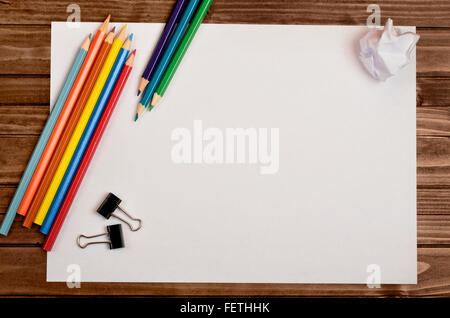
[63, 118]
[68, 131]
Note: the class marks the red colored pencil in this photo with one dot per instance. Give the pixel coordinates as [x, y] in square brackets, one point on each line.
[90, 151]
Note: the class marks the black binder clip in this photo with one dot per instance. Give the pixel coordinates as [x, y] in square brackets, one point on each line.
[115, 237]
[110, 204]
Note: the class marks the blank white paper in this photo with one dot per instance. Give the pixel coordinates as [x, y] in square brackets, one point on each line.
[341, 208]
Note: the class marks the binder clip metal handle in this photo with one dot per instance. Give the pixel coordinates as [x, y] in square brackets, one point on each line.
[115, 237]
[110, 204]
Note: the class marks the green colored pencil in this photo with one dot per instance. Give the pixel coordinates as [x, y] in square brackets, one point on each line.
[178, 56]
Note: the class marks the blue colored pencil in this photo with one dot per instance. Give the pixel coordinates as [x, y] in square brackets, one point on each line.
[42, 142]
[87, 134]
[165, 60]
[162, 44]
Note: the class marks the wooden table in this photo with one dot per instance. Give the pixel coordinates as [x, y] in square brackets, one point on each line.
[24, 107]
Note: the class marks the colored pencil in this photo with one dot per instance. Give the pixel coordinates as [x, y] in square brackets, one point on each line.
[68, 131]
[168, 53]
[88, 108]
[181, 51]
[87, 157]
[162, 43]
[63, 118]
[39, 148]
[87, 134]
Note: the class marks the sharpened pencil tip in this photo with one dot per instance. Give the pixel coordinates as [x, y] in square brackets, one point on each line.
[113, 29]
[136, 117]
[131, 37]
[139, 93]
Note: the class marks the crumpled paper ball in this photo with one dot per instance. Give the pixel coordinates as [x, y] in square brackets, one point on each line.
[384, 52]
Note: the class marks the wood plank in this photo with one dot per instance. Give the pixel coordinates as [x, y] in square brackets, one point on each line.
[431, 230]
[23, 272]
[30, 120]
[21, 236]
[433, 121]
[26, 50]
[433, 52]
[433, 91]
[24, 90]
[420, 13]
[15, 152]
[23, 120]
[433, 201]
[433, 159]
[6, 195]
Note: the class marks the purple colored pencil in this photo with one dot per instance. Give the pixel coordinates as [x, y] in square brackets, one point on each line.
[162, 44]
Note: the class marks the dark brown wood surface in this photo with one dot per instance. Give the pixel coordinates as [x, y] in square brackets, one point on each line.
[24, 101]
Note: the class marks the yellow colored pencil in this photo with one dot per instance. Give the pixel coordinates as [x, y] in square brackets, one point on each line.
[82, 122]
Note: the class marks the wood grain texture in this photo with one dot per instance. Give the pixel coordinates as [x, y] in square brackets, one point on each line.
[23, 273]
[433, 121]
[23, 120]
[433, 52]
[433, 159]
[433, 230]
[433, 91]
[433, 201]
[14, 154]
[405, 12]
[25, 50]
[24, 90]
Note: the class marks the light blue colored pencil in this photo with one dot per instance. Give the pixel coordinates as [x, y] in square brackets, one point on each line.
[165, 60]
[42, 142]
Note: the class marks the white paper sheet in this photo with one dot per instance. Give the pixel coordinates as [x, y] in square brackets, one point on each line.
[344, 196]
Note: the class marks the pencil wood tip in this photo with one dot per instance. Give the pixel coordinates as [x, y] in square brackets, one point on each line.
[155, 100]
[140, 109]
[130, 60]
[86, 43]
[142, 84]
[105, 24]
[127, 44]
[121, 35]
[110, 36]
